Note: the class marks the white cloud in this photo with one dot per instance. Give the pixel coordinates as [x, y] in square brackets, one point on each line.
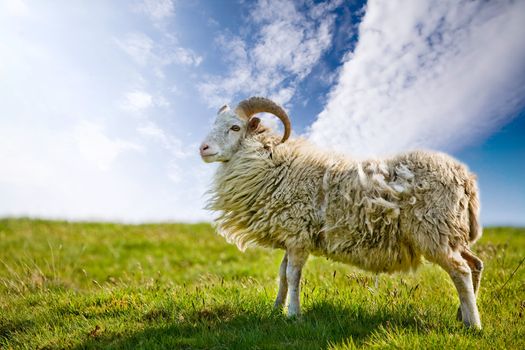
[139, 100]
[287, 45]
[157, 10]
[170, 143]
[174, 172]
[161, 101]
[68, 148]
[136, 101]
[432, 74]
[165, 49]
[157, 55]
[186, 57]
[17, 8]
[40, 157]
[21, 157]
[98, 148]
[138, 45]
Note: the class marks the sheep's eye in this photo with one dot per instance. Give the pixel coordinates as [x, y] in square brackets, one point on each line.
[235, 128]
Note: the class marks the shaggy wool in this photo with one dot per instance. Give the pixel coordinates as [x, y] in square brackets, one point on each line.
[382, 215]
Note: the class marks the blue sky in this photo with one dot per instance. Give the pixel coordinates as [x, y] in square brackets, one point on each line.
[103, 103]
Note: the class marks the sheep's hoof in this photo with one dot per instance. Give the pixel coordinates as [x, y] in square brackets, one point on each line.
[294, 314]
[475, 326]
[278, 305]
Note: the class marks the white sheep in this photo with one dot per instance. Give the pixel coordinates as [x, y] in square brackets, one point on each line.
[381, 215]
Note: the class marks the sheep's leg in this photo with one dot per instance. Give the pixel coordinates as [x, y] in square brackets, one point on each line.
[461, 274]
[283, 283]
[476, 267]
[296, 261]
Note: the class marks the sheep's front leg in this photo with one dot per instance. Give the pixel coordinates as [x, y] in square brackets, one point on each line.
[283, 283]
[294, 267]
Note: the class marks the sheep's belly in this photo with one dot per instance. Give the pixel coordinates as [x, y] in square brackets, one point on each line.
[377, 260]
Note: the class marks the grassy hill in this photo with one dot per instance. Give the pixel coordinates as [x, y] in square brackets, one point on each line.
[90, 285]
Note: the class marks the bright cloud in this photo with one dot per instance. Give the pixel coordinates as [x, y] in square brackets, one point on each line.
[170, 143]
[68, 146]
[156, 9]
[139, 46]
[146, 52]
[288, 42]
[15, 7]
[136, 101]
[186, 57]
[99, 149]
[433, 74]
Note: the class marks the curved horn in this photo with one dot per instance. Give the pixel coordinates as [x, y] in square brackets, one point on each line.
[246, 108]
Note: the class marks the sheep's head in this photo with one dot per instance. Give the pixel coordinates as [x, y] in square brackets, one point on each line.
[231, 127]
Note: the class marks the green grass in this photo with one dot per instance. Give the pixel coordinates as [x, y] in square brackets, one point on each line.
[86, 285]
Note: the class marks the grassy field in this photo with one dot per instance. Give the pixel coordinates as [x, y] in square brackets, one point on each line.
[86, 285]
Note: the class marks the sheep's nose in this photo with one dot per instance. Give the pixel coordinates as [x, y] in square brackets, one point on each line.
[203, 148]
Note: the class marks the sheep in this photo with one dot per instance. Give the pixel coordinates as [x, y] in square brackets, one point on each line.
[382, 215]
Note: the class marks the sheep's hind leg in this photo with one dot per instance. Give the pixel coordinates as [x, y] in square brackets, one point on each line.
[296, 261]
[283, 283]
[461, 274]
[476, 267]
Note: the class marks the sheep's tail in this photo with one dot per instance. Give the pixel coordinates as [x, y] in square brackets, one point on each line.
[471, 189]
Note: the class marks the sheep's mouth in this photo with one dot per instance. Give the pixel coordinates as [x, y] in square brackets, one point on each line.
[208, 158]
[209, 155]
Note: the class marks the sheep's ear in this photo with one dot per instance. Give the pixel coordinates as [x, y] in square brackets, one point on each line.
[253, 124]
[223, 109]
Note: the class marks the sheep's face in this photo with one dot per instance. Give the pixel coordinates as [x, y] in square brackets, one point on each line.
[225, 136]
